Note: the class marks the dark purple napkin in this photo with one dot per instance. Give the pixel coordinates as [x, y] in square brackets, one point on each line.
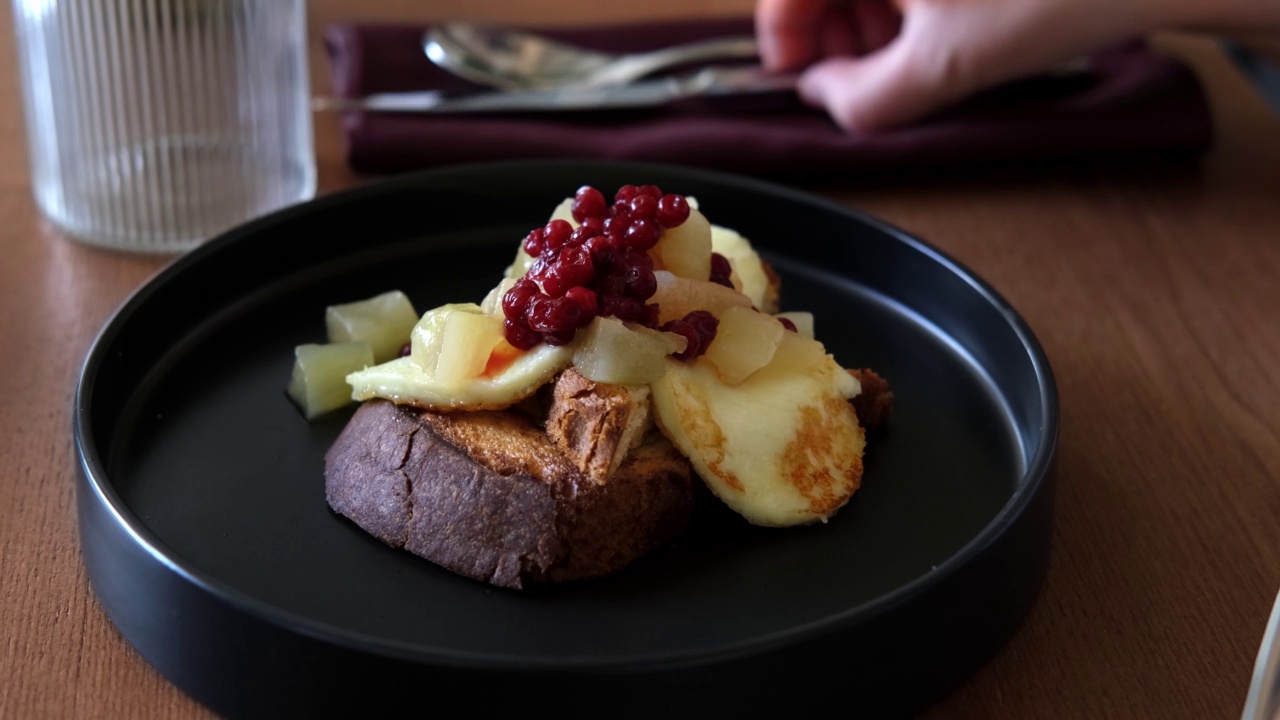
[1134, 102]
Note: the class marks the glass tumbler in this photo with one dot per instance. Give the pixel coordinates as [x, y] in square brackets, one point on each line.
[153, 125]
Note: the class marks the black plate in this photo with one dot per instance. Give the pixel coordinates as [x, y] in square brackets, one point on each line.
[207, 538]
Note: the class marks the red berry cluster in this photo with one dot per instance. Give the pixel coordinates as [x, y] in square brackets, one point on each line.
[600, 268]
[698, 328]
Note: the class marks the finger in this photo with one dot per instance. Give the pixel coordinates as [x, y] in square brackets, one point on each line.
[877, 23]
[888, 87]
[787, 31]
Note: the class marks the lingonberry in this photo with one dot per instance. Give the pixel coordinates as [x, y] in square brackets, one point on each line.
[651, 312]
[698, 328]
[673, 210]
[556, 232]
[534, 243]
[515, 302]
[643, 206]
[574, 266]
[579, 236]
[622, 307]
[553, 314]
[642, 234]
[519, 334]
[640, 283]
[587, 202]
[721, 270]
[626, 192]
[586, 301]
[617, 225]
[693, 344]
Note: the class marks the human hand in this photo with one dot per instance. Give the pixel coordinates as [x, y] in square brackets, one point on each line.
[877, 63]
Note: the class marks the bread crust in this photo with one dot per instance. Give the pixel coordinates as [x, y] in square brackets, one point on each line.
[488, 496]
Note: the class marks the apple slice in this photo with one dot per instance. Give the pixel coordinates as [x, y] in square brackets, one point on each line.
[382, 321]
[748, 268]
[745, 342]
[492, 303]
[686, 248]
[781, 449]
[802, 320]
[678, 296]
[467, 341]
[618, 353]
[471, 378]
[318, 384]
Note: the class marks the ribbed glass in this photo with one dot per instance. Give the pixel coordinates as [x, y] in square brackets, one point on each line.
[156, 124]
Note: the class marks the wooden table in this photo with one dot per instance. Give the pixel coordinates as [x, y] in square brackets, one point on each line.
[1155, 294]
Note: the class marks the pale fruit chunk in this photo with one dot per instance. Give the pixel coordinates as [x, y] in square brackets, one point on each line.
[678, 296]
[686, 248]
[564, 211]
[468, 340]
[520, 267]
[611, 351]
[405, 382]
[427, 337]
[781, 449]
[802, 320]
[745, 342]
[797, 354]
[748, 268]
[492, 303]
[319, 381]
[383, 321]
[506, 375]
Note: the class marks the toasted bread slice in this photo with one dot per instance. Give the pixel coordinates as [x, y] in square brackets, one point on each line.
[489, 496]
[595, 424]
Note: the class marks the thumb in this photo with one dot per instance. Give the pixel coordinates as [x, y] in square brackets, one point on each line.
[896, 84]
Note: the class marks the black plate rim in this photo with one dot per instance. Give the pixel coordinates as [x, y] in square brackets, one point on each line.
[1037, 471]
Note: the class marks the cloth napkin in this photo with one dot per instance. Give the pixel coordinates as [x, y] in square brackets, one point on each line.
[1134, 102]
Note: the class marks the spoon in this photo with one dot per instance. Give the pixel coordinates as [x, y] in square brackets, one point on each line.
[512, 59]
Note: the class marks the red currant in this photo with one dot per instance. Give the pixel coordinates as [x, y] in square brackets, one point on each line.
[626, 192]
[786, 323]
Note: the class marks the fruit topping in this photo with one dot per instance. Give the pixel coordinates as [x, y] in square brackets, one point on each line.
[383, 321]
[797, 322]
[746, 342]
[721, 271]
[604, 263]
[318, 384]
[698, 328]
[612, 352]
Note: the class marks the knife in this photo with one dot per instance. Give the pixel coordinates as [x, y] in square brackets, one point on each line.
[708, 82]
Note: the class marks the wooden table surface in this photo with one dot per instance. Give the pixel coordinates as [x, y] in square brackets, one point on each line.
[1154, 292]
